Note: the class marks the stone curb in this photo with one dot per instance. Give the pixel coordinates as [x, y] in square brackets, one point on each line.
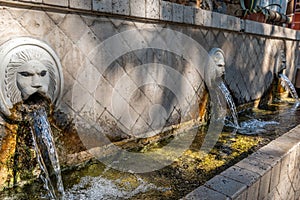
[262, 175]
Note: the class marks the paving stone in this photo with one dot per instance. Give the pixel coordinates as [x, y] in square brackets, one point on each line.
[138, 8]
[177, 12]
[152, 9]
[120, 7]
[166, 11]
[102, 5]
[63, 3]
[226, 186]
[204, 193]
[188, 14]
[84, 5]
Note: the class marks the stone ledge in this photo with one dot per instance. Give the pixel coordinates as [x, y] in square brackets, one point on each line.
[269, 30]
[169, 12]
[263, 172]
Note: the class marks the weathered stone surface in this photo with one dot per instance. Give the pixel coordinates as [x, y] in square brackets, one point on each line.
[166, 11]
[199, 18]
[138, 8]
[152, 9]
[33, 1]
[120, 7]
[79, 4]
[177, 12]
[188, 15]
[63, 3]
[241, 175]
[74, 27]
[37, 23]
[226, 186]
[205, 193]
[102, 5]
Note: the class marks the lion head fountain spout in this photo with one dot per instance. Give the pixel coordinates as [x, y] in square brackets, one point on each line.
[31, 85]
[217, 55]
[280, 64]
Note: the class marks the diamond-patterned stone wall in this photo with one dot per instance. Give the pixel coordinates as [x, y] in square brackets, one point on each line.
[115, 95]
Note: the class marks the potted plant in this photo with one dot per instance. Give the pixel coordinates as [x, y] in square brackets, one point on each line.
[251, 11]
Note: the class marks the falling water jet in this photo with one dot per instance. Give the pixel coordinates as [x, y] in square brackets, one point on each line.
[230, 103]
[35, 112]
[288, 85]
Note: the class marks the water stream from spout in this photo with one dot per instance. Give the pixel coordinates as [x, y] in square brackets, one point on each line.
[288, 85]
[46, 154]
[230, 103]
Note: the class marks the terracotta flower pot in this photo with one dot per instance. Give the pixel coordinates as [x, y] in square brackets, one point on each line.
[259, 17]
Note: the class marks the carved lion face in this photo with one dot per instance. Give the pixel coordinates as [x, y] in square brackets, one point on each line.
[32, 77]
[218, 57]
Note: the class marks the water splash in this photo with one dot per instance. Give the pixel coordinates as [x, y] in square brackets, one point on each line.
[94, 188]
[254, 126]
[288, 85]
[46, 154]
[230, 103]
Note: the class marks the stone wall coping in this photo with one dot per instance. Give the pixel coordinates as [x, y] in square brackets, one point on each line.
[164, 11]
[251, 177]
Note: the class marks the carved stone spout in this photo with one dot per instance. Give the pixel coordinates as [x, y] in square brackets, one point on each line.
[280, 64]
[28, 66]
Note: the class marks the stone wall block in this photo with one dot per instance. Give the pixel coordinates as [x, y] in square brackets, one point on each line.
[264, 185]
[205, 194]
[80, 4]
[120, 7]
[199, 17]
[177, 12]
[166, 11]
[33, 1]
[138, 8]
[37, 23]
[226, 186]
[152, 9]
[188, 14]
[62, 3]
[275, 173]
[252, 192]
[74, 27]
[102, 5]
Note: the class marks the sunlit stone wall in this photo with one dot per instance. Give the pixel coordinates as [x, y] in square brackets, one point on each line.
[95, 95]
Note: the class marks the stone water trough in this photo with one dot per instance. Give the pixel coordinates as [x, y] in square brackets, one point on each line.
[114, 77]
